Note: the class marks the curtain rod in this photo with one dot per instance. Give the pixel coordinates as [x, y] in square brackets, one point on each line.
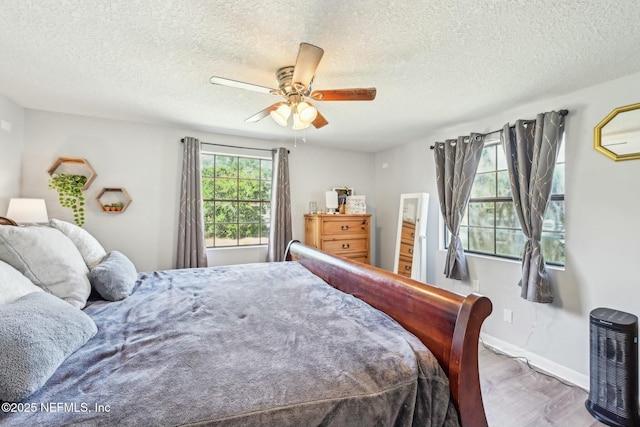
[271, 150]
[561, 112]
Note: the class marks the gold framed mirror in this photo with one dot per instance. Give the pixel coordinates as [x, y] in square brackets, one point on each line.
[617, 136]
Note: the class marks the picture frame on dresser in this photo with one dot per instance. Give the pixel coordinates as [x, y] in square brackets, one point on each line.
[356, 205]
[343, 193]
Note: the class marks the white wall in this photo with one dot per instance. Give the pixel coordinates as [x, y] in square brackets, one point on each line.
[11, 146]
[602, 233]
[314, 170]
[146, 160]
[406, 169]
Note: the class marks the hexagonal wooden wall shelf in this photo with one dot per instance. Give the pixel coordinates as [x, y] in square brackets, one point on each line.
[74, 166]
[113, 200]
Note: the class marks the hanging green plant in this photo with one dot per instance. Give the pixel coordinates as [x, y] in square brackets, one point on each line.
[69, 188]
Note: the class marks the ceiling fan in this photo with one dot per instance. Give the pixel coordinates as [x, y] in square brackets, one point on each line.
[294, 85]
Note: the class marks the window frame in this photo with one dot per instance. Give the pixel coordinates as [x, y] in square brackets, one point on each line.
[263, 226]
[493, 142]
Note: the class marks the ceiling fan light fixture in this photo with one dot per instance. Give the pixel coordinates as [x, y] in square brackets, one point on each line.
[307, 112]
[297, 123]
[281, 114]
[294, 85]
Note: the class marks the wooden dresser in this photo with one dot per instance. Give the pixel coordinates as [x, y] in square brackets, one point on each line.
[344, 235]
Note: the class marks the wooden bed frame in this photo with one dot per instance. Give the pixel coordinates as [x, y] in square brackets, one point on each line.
[7, 221]
[447, 323]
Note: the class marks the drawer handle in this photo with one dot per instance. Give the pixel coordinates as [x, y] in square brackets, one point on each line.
[345, 246]
[344, 228]
[410, 251]
[413, 234]
[407, 267]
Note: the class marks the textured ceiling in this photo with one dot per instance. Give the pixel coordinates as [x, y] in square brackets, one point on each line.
[434, 63]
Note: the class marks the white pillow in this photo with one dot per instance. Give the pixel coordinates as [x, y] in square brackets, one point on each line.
[13, 284]
[91, 250]
[49, 259]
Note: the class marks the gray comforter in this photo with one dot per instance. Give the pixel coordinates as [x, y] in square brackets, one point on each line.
[254, 345]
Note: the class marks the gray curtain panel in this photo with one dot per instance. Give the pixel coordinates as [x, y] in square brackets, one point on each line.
[191, 244]
[531, 153]
[280, 226]
[456, 165]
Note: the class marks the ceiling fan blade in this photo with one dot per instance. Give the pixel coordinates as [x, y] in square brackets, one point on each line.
[360, 94]
[242, 85]
[306, 64]
[264, 113]
[319, 121]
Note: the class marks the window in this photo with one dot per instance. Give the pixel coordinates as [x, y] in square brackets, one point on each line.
[490, 225]
[236, 194]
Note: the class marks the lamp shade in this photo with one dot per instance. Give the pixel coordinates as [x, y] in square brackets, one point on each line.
[25, 211]
[331, 199]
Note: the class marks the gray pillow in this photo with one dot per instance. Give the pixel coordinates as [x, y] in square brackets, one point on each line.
[13, 284]
[39, 331]
[49, 259]
[114, 277]
[91, 250]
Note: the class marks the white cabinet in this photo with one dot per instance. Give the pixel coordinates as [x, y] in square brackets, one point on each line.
[411, 242]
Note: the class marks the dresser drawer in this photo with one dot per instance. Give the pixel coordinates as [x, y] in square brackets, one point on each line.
[406, 250]
[359, 258]
[408, 232]
[345, 226]
[343, 246]
[404, 268]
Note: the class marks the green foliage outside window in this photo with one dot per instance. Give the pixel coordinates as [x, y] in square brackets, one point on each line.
[236, 193]
[490, 224]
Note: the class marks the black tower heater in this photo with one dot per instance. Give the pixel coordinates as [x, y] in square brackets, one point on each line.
[613, 393]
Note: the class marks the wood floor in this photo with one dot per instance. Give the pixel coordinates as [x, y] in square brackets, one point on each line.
[516, 396]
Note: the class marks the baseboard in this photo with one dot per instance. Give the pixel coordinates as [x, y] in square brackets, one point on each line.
[541, 363]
